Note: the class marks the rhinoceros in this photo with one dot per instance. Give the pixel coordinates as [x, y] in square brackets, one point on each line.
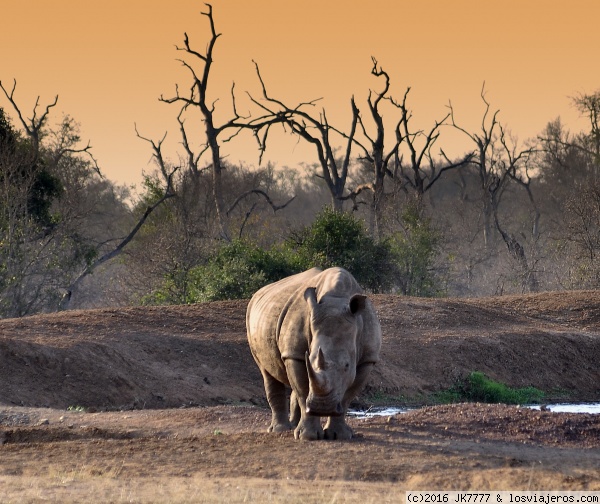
[317, 333]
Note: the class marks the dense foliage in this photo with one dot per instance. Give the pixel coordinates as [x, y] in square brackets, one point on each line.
[54, 212]
[239, 268]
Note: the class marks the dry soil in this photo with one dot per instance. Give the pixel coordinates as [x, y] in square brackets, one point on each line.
[165, 404]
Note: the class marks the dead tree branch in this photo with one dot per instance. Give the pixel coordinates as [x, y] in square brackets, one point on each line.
[169, 192]
[314, 130]
[262, 193]
[33, 126]
[199, 66]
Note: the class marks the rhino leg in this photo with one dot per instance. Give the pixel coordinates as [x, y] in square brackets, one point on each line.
[336, 427]
[276, 396]
[309, 427]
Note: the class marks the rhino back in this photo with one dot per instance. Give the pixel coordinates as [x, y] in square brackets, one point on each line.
[267, 309]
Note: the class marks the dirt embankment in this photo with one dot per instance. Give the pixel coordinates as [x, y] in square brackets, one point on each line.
[164, 357]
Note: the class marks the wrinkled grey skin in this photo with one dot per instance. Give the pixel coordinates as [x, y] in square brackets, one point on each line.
[318, 334]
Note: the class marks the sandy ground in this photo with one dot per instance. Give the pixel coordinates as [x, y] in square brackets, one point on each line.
[174, 409]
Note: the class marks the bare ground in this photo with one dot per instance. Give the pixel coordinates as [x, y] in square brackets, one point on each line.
[175, 410]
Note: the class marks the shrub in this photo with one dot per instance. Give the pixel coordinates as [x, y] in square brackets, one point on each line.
[339, 239]
[238, 270]
[477, 387]
[414, 250]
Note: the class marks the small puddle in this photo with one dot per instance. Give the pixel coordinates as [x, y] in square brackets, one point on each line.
[593, 408]
[375, 412]
[571, 408]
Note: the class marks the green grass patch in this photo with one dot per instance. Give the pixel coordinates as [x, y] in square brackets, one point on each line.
[78, 409]
[478, 387]
[475, 387]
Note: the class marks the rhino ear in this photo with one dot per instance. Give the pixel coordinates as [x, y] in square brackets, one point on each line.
[310, 295]
[357, 303]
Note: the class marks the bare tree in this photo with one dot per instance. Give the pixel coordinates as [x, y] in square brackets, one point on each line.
[197, 97]
[515, 167]
[412, 175]
[314, 129]
[216, 134]
[498, 162]
[589, 105]
[35, 124]
[375, 154]
[485, 162]
[583, 232]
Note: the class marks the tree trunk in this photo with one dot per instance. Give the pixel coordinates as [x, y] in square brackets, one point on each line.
[217, 171]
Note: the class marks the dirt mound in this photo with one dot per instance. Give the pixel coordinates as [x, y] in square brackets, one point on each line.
[129, 358]
[164, 357]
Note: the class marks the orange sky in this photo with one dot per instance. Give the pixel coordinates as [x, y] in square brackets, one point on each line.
[110, 60]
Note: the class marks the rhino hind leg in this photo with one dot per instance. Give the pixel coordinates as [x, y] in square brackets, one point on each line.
[276, 396]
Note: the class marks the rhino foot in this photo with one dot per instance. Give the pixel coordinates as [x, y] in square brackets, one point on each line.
[338, 430]
[309, 430]
[280, 427]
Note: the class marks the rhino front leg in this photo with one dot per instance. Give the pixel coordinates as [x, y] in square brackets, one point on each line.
[276, 396]
[336, 427]
[308, 427]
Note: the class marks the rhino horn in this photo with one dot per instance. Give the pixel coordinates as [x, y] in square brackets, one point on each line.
[314, 380]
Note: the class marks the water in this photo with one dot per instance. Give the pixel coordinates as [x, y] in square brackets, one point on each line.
[374, 412]
[593, 408]
[572, 408]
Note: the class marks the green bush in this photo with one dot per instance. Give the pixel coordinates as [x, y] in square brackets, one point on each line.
[339, 239]
[477, 387]
[238, 270]
[414, 251]
[232, 280]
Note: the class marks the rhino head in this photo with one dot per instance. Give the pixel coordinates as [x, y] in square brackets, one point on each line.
[331, 360]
